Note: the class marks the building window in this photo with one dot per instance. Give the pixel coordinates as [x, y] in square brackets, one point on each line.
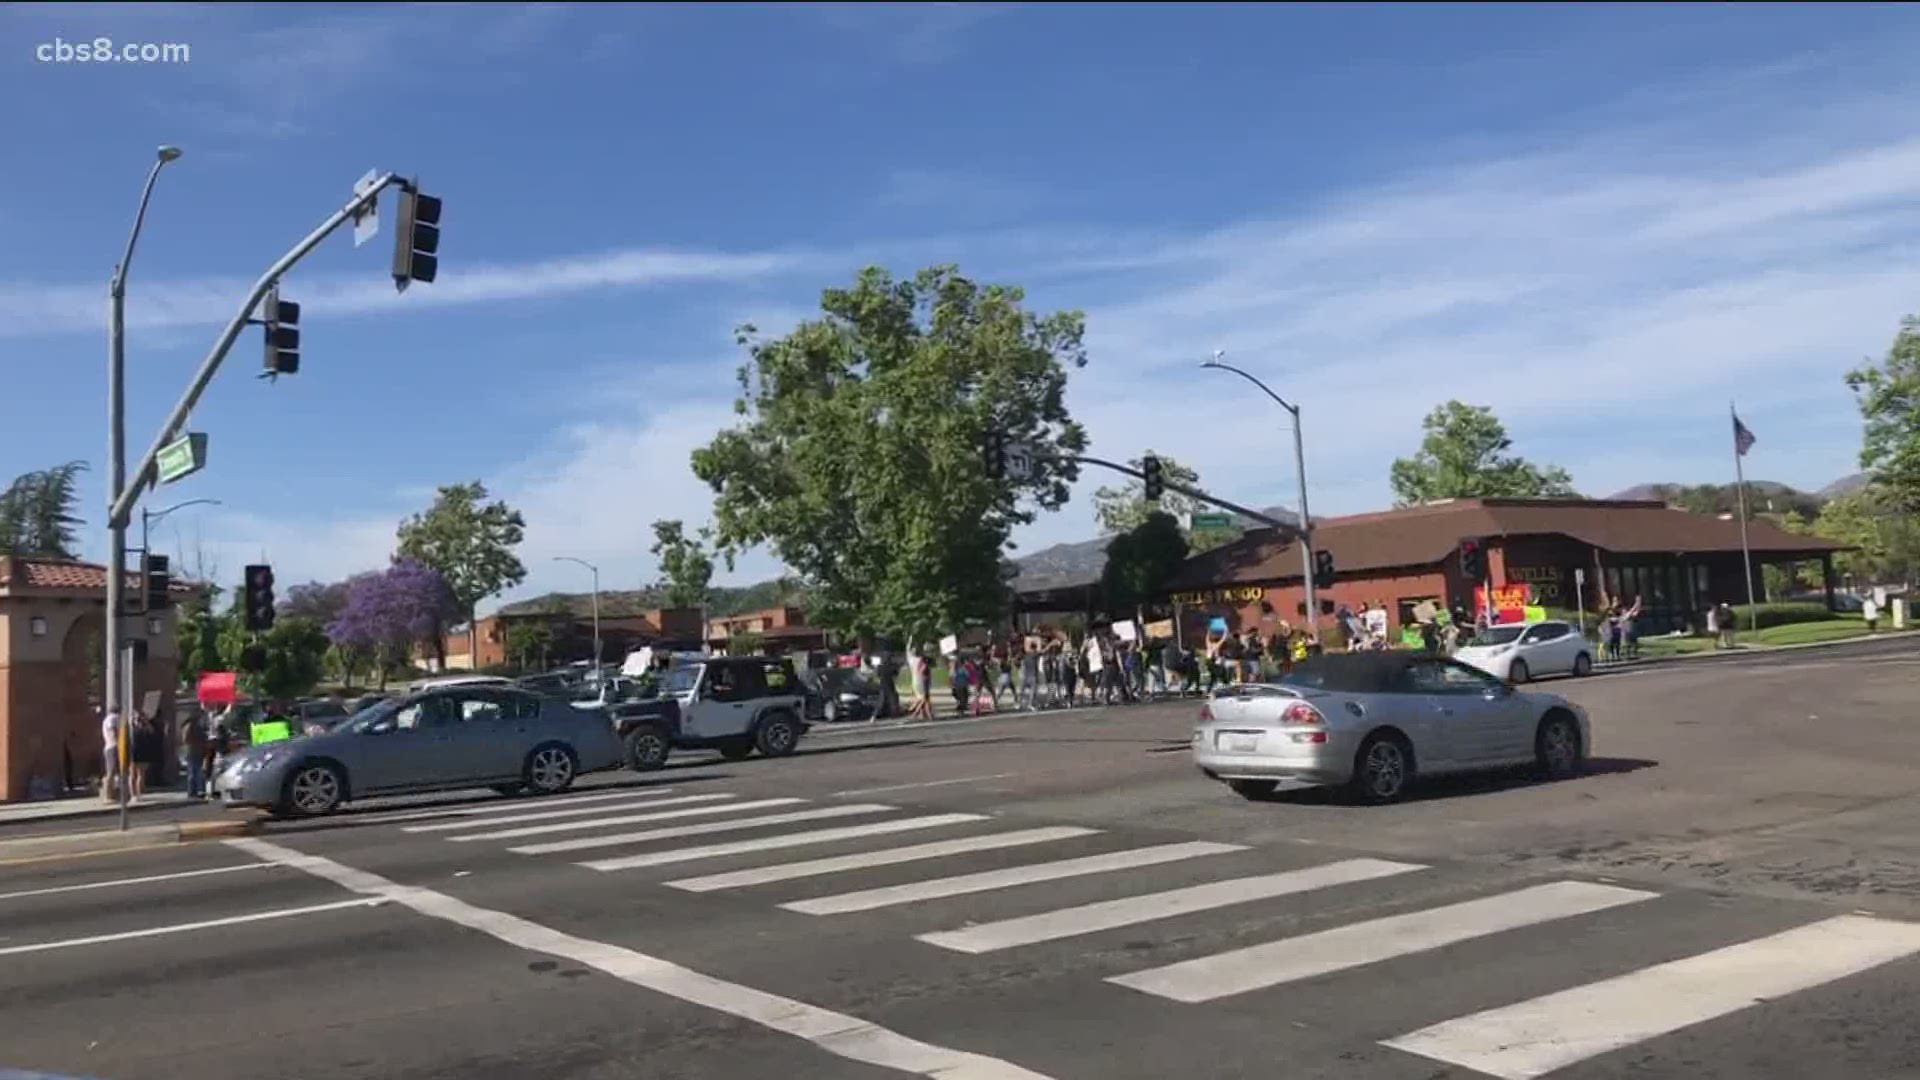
[38, 625]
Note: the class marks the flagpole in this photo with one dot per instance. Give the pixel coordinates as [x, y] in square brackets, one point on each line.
[1746, 553]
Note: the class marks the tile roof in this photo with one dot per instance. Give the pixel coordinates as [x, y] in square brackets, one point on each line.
[33, 573]
[1426, 535]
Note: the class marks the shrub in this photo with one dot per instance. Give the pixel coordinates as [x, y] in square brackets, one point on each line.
[1765, 615]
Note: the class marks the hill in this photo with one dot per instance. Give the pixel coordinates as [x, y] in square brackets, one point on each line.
[726, 600]
[1846, 485]
[1081, 561]
[1767, 496]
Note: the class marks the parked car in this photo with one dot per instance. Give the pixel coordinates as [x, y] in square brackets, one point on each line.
[315, 715]
[1520, 651]
[1373, 721]
[474, 735]
[835, 694]
[733, 704]
[458, 680]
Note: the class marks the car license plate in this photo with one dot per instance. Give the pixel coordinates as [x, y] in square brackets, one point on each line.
[1238, 743]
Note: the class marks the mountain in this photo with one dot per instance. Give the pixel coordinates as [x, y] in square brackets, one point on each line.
[1080, 561]
[724, 600]
[1846, 485]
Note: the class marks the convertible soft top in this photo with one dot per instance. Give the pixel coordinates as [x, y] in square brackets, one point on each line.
[1381, 672]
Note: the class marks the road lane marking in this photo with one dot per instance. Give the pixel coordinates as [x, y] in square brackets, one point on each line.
[1519, 1042]
[1129, 910]
[131, 881]
[700, 830]
[574, 811]
[1290, 959]
[837, 1033]
[181, 928]
[497, 806]
[988, 880]
[861, 860]
[924, 784]
[767, 843]
[627, 819]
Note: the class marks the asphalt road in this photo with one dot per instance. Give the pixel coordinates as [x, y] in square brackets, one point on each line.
[1733, 892]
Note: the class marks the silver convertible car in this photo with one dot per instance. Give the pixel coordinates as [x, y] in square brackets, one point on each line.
[1375, 720]
[462, 736]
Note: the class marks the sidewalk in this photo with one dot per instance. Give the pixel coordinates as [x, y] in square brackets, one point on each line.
[82, 806]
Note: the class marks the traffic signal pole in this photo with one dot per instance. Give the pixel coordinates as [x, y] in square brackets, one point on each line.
[125, 494]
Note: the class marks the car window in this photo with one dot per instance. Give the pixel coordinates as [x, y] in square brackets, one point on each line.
[776, 680]
[1496, 635]
[724, 683]
[522, 706]
[424, 713]
[1447, 677]
[1549, 631]
[479, 705]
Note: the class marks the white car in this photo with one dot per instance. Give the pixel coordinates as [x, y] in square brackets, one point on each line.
[1519, 651]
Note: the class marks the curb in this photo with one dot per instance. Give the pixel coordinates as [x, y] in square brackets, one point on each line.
[101, 841]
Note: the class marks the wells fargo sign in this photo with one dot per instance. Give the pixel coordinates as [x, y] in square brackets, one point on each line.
[1544, 579]
[1239, 594]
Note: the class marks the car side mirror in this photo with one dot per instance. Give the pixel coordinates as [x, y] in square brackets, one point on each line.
[1496, 693]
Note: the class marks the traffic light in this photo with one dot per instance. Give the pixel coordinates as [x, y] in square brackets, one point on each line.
[159, 582]
[1151, 477]
[995, 459]
[282, 321]
[416, 238]
[1473, 559]
[259, 598]
[1322, 569]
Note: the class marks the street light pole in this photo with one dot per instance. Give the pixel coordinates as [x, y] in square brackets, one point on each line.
[1300, 469]
[596, 607]
[148, 517]
[113, 699]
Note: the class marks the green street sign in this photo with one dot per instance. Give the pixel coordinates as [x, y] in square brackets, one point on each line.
[182, 457]
[1212, 521]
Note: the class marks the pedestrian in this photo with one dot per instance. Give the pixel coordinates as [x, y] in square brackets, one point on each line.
[1006, 681]
[194, 737]
[922, 688]
[109, 755]
[1870, 610]
[145, 750]
[1727, 622]
[1630, 631]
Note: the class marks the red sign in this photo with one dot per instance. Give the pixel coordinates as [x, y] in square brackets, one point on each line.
[848, 660]
[1509, 603]
[219, 687]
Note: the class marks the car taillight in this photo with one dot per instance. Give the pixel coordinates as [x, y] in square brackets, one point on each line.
[1206, 712]
[1301, 714]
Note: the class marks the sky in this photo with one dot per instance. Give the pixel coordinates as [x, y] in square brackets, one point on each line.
[1606, 223]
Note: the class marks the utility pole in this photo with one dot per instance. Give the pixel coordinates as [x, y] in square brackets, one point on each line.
[1300, 470]
[115, 698]
[596, 607]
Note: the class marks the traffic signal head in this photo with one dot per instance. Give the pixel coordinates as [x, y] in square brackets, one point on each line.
[259, 598]
[159, 581]
[995, 455]
[282, 321]
[1322, 569]
[1152, 478]
[1473, 559]
[416, 238]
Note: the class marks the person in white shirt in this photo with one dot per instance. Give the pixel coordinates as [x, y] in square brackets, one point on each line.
[1870, 610]
[110, 754]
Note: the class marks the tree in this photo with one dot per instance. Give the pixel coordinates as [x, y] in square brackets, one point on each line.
[37, 515]
[1141, 561]
[527, 639]
[320, 603]
[1782, 579]
[1121, 509]
[387, 611]
[470, 542]
[859, 461]
[1464, 455]
[1886, 541]
[1888, 395]
[686, 565]
[296, 650]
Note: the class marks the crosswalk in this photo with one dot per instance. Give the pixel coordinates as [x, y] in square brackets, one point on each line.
[923, 867]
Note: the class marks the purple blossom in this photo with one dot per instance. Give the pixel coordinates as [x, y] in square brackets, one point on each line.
[393, 608]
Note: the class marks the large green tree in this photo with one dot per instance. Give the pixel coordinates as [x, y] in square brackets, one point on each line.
[686, 564]
[1884, 538]
[37, 512]
[1464, 454]
[1141, 561]
[529, 641]
[859, 459]
[471, 542]
[1888, 394]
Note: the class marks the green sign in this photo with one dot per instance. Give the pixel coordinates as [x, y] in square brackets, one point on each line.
[182, 457]
[1212, 521]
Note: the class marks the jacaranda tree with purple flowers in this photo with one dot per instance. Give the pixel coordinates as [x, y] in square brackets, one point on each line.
[388, 611]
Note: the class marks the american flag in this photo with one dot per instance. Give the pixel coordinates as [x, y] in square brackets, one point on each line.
[1742, 438]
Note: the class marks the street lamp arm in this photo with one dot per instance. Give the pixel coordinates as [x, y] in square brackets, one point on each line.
[158, 514]
[133, 236]
[1250, 378]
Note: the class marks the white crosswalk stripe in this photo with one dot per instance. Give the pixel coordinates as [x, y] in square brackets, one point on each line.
[819, 836]
[1531, 1038]
[1127, 911]
[576, 811]
[990, 880]
[1289, 959]
[585, 842]
[628, 819]
[496, 806]
[740, 879]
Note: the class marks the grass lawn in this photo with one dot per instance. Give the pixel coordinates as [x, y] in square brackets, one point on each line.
[1839, 628]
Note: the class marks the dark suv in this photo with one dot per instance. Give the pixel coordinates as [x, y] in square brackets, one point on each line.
[733, 704]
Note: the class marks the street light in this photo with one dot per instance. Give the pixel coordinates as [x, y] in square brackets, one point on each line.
[1300, 468]
[148, 517]
[596, 607]
[114, 699]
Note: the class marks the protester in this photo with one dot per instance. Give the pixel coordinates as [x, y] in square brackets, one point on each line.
[194, 737]
[110, 755]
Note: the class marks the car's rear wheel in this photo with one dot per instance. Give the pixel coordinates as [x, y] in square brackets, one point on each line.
[1582, 666]
[550, 769]
[647, 748]
[777, 736]
[1519, 673]
[315, 788]
[1557, 751]
[737, 749]
[1253, 789]
[1382, 768]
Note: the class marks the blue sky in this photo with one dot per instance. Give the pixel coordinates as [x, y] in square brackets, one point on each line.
[1603, 222]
